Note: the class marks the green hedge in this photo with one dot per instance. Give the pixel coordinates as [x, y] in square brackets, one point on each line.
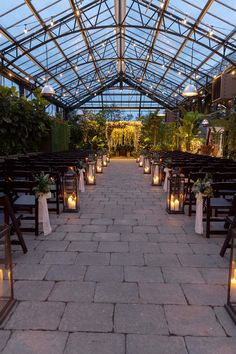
[60, 136]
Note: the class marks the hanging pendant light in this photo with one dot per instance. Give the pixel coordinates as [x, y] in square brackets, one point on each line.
[190, 90]
[47, 89]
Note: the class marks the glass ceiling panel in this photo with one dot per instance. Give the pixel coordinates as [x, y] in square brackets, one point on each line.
[151, 48]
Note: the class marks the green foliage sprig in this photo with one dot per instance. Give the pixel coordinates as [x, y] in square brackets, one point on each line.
[203, 186]
[44, 183]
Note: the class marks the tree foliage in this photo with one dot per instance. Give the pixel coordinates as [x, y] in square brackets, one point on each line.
[189, 128]
[23, 123]
[88, 130]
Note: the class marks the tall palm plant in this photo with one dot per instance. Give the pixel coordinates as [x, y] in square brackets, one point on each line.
[189, 128]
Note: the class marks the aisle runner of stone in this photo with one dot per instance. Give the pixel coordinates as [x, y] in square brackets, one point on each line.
[120, 277]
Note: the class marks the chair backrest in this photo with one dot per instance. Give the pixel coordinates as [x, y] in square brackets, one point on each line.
[233, 208]
[220, 188]
[194, 176]
[225, 176]
[22, 187]
[19, 176]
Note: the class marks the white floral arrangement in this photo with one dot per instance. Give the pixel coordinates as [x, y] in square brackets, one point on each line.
[203, 186]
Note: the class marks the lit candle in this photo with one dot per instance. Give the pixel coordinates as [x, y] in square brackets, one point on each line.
[104, 159]
[172, 202]
[233, 283]
[91, 179]
[155, 179]
[1, 283]
[71, 202]
[176, 204]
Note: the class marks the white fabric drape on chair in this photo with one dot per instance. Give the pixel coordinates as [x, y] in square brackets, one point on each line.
[167, 172]
[199, 214]
[81, 179]
[43, 213]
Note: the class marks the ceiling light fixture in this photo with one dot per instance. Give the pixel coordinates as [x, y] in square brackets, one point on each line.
[47, 89]
[184, 21]
[190, 90]
[52, 22]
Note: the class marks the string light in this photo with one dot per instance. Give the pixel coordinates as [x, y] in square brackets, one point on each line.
[184, 21]
[211, 32]
[77, 12]
[162, 4]
[52, 21]
[163, 65]
[25, 29]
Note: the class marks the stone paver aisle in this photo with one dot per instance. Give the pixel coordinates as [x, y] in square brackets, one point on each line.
[122, 277]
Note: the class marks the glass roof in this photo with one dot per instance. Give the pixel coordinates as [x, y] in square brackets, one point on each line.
[123, 53]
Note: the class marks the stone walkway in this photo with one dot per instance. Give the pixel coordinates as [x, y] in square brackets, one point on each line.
[121, 277]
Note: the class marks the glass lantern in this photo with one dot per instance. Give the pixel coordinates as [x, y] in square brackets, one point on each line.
[99, 167]
[231, 296]
[6, 278]
[175, 194]
[141, 159]
[90, 173]
[104, 160]
[156, 173]
[146, 165]
[70, 192]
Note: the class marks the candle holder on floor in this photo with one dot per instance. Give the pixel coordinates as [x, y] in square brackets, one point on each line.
[6, 278]
[70, 192]
[175, 194]
[231, 296]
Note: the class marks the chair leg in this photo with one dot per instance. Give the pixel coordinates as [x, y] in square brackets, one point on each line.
[208, 219]
[15, 223]
[36, 218]
[57, 201]
[20, 236]
[226, 243]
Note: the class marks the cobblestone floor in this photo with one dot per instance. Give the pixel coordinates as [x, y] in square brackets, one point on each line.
[120, 277]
